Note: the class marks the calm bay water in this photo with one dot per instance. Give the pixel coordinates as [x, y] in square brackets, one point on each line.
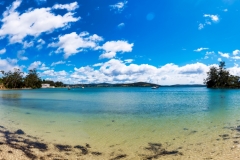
[124, 117]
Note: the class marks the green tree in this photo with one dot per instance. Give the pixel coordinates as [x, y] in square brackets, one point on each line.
[212, 77]
[59, 84]
[32, 80]
[13, 79]
[221, 78]
[49, 82]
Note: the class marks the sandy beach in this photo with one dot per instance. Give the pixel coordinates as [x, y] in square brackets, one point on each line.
[19, 145]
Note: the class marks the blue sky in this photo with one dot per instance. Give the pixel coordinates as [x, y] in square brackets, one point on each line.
[164, 42]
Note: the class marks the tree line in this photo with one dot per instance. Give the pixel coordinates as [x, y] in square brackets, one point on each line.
[219, 77]
[16, 79]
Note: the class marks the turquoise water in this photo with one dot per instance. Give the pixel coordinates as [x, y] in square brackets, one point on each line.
[122, 117]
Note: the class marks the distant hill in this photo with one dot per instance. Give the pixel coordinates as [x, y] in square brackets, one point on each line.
[186, 85]
[137, 84]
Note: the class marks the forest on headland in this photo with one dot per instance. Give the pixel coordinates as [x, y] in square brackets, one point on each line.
[16, 79]
[219, 77]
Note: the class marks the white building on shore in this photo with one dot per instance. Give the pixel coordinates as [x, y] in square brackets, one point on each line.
[45, 85]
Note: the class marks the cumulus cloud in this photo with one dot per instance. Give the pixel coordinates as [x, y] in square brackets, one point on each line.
[128, 60]
[17, 26]
[121, 25]
[116, 71]
[8, 64]
[214, 18]
[209, 53]
[112, 47]
[97, 64]
[197, 68]
[201, 26]
[74, 43]
[53, 73]
[35, 64]
[236, 52]
[236, 57]
[200, 49]
[69, 7]
[119, 7]
[43, 67]
[225, 55]
[2, 51]
[21, 56]
[57, 63]
[40, 42]
[27, 44]
[209, 18]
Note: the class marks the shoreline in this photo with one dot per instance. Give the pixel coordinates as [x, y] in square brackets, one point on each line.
[20, 145]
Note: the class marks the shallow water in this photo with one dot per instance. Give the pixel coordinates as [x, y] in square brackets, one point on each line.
[125, 119]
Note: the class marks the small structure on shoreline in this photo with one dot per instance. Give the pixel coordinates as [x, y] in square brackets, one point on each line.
[45, 85]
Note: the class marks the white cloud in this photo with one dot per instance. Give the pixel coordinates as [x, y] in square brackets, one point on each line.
[54, 73]
[197, 68]
[225, 55]
[209, 53]
[57, 63]
[108, 55]
[201, 26]
[219, 59]
[73, 43]
[225, 10]
[116, 71]
[112, 47]
[17, 26]
[40, 42]
[236, 57]
[27, 44]
[208, 20]
[234, 70]
[121, 25]
[43, 67]
[236, 52]
[214, 18]
[35, 64]
[20, 55]
[200, 49]
[128, 60]
[2, 51]
[97, 64]
[119, 7]
[8, 64]
[206, 57]
[70, 7]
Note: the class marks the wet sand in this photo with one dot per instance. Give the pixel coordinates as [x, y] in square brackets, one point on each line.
[205, 144]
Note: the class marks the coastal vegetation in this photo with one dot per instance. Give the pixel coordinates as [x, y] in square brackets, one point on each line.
[16, 79]
[32, 80]
[52, 83]
[219, 77]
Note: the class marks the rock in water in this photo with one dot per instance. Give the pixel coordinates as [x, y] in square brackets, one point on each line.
[19, 131]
